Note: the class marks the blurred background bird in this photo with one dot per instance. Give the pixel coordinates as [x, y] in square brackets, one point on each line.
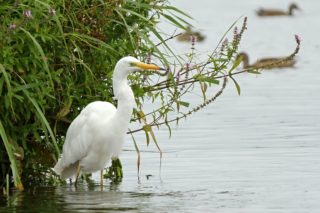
[190, 34]
[277, 12]
[266, 63]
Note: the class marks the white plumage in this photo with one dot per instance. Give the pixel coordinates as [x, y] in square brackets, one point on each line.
[97, 134]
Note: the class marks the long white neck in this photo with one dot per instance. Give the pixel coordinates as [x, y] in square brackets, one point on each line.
[125, 97]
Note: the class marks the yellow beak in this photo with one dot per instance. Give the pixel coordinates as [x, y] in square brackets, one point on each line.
[147, 66]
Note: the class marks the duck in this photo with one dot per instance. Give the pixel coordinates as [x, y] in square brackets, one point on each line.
[276, 12]
[188, 34]
[266, 63]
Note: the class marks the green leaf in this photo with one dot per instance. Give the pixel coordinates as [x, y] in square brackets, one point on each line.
[142, 116]
[137, 150]
[202, 78]
[91, 41]
[174, 21]
[156, 143]
[127, 27]
[163, 57]
[43, 56]
[185, 104]
[1, 85]
[136, 14]
[204, 87]
[8, 102]
[65, 109]
[147, 128]
[254, 71]
[183, 21]
[235, 64]
[168, 126]
[236, 84]
[6, 79]
[176, 10]
[147, 138]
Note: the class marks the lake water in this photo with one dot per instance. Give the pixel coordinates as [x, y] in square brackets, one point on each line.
[258, 152]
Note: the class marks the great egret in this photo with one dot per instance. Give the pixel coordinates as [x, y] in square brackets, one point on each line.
[266, 63]
[97, 134]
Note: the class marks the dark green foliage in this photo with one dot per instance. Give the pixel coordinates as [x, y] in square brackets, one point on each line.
[55, 57]
[114, 172]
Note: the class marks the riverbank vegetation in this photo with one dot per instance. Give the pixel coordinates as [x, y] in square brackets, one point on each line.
[57, 56]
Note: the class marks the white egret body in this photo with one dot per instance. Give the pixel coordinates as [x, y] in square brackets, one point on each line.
[97, 134]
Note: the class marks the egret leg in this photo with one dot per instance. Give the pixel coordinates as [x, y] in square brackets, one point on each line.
[101, 179]
[77, 176]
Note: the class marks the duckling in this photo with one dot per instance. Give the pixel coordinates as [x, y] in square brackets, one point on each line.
[266, 63]
[276, 12]
[187, 35]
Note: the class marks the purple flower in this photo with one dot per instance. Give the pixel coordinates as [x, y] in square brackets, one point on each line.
[298, 38]
[27, 13]
[235, 31]
[52, 11]
[178, 76]
[236, 35]
[12, 26]
[145, 77]
[224, 44]
[149, 58]
[225, 41]
[193, 40]
[187, 67]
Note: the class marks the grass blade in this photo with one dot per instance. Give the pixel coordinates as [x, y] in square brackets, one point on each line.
[9, 149]
[9, 88]
[39, 48]
[44, 121]
[138, 152]
[236, 84]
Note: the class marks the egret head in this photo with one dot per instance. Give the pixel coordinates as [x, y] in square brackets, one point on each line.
[123, 68]
[129, 64]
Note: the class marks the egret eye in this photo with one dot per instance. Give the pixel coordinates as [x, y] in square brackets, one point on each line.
[132, 64]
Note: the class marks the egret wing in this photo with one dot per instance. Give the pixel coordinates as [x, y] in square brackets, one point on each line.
[80, 135]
